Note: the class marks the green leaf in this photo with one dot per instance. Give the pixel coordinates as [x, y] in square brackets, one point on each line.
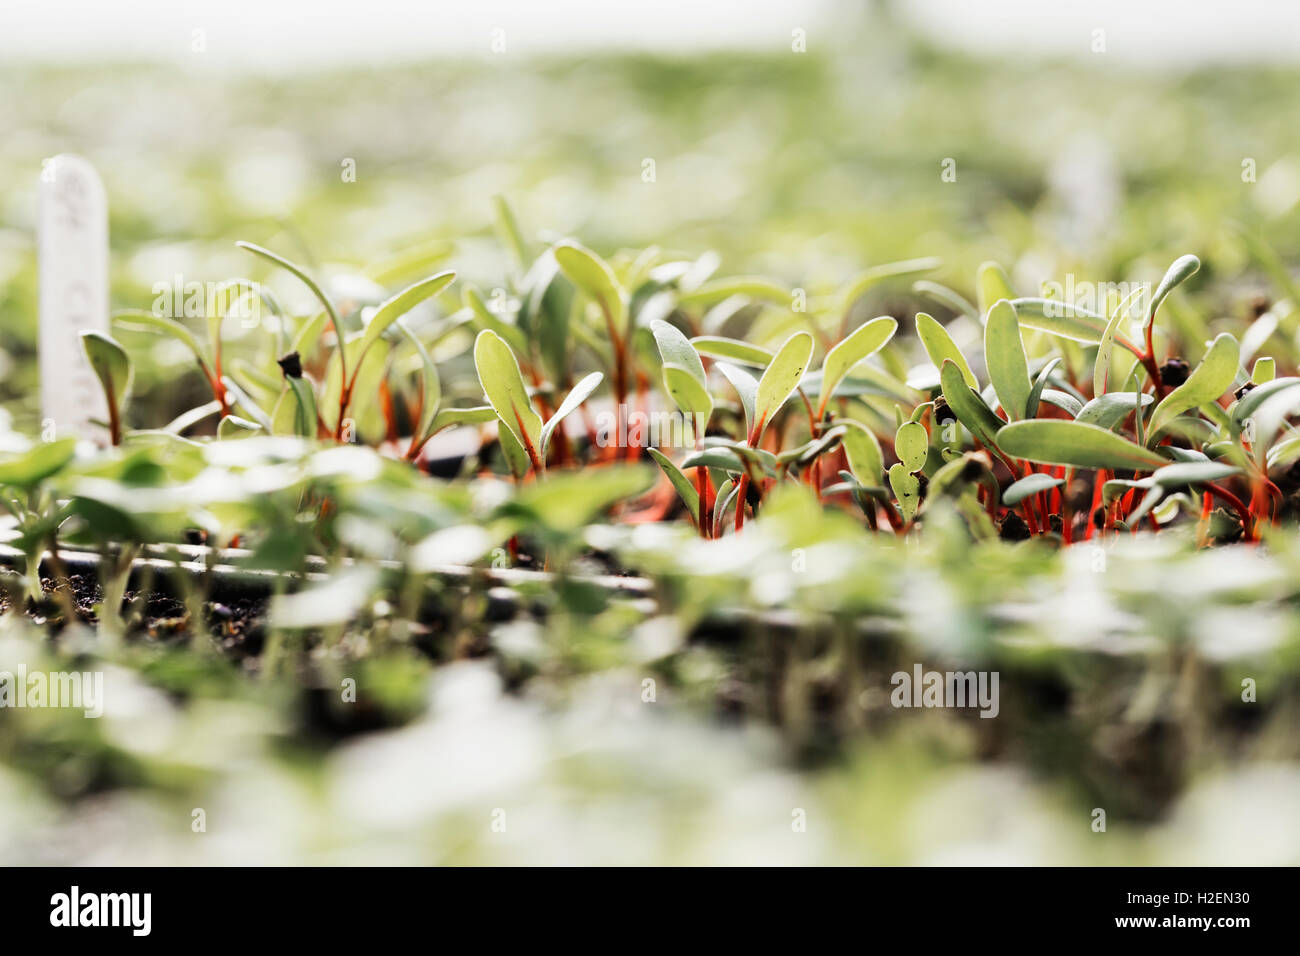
[907, 489]
[233, 426]
[1018, 491]
[1004, 353]
[991, 284]
[717, 346]
[868, 279]
[1207, 383]
[111, 364]
[867, 339]
[1036, 393]
[685, 490]
[33, 466]
[1054, 442]
[863, 452]
[393, 308]
[577, 395]
[687, 392]
[485, 318]
[941, 348]
[568, 500]
[592, 275]
[517, 460]
[753, 287]
[1183, 268]
[304, 400]
[503, 384]
[968, 406]
[1066, 320]
[1264, 371]
[746, 387]
[1106, 348]
[1110, 409]
[430, 387]
[780, 380]
[474, 415]
[139, 320]
[676, 349]
[912, 445]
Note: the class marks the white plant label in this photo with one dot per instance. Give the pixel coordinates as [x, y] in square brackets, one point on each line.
[72, 238]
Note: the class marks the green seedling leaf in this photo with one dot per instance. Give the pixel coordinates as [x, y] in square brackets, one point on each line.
[1264, 371]
[139, 320]
[940, 346]
[485, 318]
[1110, 409]
[809, 451]
[687, 392]
[685, 490]
[746, 387]
[1183, 268]
[947, 297]
[1106, 348]
[430, 387]
[577, 395]
[1207, 383]
[1004, 353]
[507, 227]
[968, 406]
[676, 349]
[568, 500]
[503, 384]
[474, 415]
[1054, 442]
[590, 273]
[867, 339]
[112, 366]
[734, 350]
[780, 380]
[1192, 473]
[233, 426]
[992, 284]
[1066, 320]
[1018, 491]
[33, 466]
[868, 279]
[727, 492]
[1036, 393]
[393, 308]
[863, 452]
[907, 489]
[517, 459]
[1063, 400]
[1249, 404]
[912, 445]
[752, 287]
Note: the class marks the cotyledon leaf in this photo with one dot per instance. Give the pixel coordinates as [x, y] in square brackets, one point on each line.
[733, 350]
[863, 452]
[868, 338]
[1207, 383]
[1111, 408]
[1004, 354]
[1036, 393]
[907, 489]
[746, 387]
[676, 348]
[1018, 491]
[1077, 445]
[1066, 320]
[590, 273]
[1183, 268]
[911, 444]
[940, 347]
[396, 306]
[968, 406]
[780, 380]
[685, 490]
[503, 384]
[577, 395]
[991, 284]
[687, 392]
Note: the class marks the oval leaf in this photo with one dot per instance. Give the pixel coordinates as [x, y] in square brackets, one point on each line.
[1055, 442]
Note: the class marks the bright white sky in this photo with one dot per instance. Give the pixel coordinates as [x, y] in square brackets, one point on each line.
[288, 34]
